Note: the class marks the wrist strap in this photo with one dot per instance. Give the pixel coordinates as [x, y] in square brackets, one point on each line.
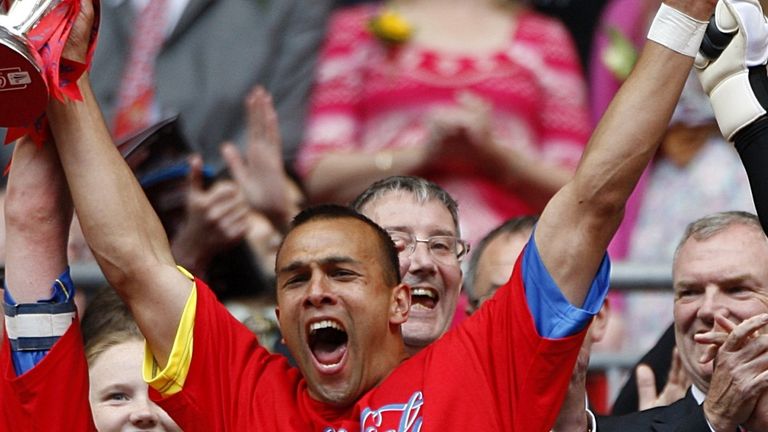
[677, 31]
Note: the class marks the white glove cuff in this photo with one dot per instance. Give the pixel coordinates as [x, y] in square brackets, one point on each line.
[677, 31]
[735, 104]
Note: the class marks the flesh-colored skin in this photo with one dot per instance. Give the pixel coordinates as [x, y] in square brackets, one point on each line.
[329, 270]
[118, 395]
[401, 211]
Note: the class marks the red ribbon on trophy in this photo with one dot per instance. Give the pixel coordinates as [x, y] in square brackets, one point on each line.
[32, 39]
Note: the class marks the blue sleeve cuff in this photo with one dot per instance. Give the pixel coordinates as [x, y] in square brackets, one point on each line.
[553, 315]
[27, 350]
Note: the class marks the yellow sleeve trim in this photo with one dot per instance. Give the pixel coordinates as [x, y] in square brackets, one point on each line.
[170, 380]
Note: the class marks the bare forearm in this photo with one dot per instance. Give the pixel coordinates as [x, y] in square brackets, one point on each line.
[38, 214]
[577, 225]
[340, 177]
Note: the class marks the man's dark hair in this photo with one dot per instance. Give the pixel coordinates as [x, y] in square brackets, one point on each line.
[511, 226]
[423, 190]
[391, 267]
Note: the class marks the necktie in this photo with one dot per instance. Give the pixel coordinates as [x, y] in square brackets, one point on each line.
[137, 88]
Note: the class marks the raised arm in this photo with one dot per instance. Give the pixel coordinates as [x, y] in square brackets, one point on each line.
[118, 222]
[40, 311]
[580, 220]
[38, 212]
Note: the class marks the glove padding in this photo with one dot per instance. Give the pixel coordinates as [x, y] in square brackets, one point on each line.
[731, 64]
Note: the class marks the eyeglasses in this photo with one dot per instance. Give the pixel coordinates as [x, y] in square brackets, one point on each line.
[443, 248]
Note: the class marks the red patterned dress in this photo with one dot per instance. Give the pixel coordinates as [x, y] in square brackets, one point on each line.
[369, 96]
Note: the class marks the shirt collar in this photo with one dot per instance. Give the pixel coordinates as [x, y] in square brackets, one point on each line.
[698, 394]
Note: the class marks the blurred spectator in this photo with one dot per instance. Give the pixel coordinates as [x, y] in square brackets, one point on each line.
[494, 257]
[212, 53]
[484, 98]
[224, 228]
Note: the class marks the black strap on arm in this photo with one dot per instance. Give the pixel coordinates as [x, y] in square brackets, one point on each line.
[752, 145]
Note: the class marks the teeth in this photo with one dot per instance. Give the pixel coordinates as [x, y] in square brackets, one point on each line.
[423, 292]
[323, 325]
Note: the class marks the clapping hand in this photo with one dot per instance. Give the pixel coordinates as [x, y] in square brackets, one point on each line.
[261, 174]
[740, 377]
[215, 219]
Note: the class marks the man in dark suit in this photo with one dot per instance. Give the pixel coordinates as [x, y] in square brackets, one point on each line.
[718, 271]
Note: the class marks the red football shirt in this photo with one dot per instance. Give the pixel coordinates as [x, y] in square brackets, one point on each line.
[493, 373]
[52, 396]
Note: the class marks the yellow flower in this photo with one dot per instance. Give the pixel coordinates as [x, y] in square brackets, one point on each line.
[620, 55]
[390, 27]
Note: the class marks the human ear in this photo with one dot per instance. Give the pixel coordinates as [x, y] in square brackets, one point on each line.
[400, 304]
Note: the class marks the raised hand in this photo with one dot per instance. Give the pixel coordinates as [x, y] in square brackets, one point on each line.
[261, 174]
[678, 382]
[216, 219]
[740, 373]
[76, 48]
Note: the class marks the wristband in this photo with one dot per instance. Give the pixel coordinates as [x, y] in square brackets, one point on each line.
[677, 31]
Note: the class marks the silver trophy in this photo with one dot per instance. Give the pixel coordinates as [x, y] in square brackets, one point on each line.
[23, 91]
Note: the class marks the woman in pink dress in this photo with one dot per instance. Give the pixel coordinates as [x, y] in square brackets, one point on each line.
[484, 97]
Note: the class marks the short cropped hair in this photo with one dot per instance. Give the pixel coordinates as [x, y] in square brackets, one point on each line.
[708, 226]
[423, 190]
[511, 226]
[391, 266]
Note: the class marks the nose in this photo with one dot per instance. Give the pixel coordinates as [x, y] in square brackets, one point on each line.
[145, 415]
[319, 293]
[421, 260]
[711, 303]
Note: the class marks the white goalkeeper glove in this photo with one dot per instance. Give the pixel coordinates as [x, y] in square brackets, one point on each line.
[731, 64]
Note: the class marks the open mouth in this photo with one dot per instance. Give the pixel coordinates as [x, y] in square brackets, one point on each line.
[328, 344]
[424, 298]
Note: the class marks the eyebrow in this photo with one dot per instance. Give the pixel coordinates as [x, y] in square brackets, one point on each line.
[433, 233]
[296, 265]
[730, 281]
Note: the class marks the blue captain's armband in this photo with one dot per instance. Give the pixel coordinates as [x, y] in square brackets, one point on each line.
[33, 328]
[554, 315]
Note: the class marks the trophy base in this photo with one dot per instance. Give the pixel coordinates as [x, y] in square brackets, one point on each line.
[23, 91]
